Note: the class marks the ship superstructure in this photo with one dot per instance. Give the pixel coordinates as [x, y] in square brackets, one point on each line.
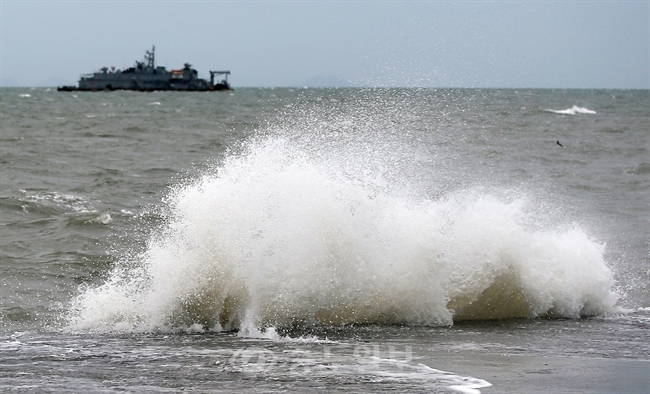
[146, 77]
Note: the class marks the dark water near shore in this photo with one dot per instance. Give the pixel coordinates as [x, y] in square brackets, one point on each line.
[354, 240]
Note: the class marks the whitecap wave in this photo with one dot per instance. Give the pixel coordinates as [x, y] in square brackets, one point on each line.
[572, 111]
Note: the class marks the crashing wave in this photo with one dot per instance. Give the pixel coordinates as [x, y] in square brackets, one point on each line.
[278, 236]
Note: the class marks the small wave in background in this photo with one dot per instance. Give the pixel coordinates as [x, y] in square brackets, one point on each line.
[575, 110]
[324, 221]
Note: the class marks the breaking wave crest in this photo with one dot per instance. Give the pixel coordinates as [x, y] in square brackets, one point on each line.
[328, 230]
[573, 111]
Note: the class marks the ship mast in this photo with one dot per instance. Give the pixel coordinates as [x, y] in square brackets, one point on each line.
[149, 57]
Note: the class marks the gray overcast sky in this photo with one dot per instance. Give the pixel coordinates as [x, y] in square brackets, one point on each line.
[539, 44]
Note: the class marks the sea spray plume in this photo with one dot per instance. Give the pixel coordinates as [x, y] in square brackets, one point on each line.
[322, 219]
[274, 239]
[505, 268]
[305, 242]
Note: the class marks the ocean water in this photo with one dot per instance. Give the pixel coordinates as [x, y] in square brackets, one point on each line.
[327, 240]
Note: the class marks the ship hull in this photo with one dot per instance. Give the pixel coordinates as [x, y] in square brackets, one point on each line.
[109, 87]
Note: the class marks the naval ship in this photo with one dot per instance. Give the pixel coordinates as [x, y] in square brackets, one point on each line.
[146, 77]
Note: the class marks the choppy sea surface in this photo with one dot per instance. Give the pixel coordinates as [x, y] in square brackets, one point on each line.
[326, 240]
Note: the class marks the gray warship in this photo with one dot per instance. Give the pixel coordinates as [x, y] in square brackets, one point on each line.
[146, 77]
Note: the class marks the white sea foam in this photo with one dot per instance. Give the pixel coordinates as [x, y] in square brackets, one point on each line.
[573, 111]
[59, 200]
[322, 221]
[103, 218]
[349, 362]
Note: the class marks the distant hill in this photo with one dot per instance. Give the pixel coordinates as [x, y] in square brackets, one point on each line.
[326, 82]
[50, 83]
[9, 83]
